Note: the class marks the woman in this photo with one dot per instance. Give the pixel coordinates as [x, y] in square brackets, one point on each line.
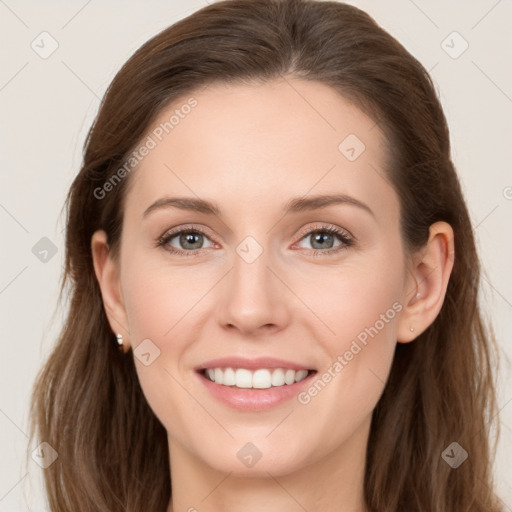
[255, 372]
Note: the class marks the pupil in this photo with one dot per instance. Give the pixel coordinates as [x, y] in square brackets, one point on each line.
[319, 237]
[189, 238]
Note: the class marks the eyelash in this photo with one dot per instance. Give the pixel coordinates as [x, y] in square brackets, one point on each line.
[342, 236]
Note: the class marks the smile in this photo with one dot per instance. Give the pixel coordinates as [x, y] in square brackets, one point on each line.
[261, 378]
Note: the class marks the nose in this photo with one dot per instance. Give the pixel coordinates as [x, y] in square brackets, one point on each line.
[254, 299]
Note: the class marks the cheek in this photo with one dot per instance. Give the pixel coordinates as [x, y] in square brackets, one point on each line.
[157, 297]
[370, 307]
[361, 309]
[359, 296]
[157, 300]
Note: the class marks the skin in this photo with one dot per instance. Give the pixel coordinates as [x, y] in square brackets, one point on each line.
[251, 148]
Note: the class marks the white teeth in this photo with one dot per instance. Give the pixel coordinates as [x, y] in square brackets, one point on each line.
[289, 377]
[229, 378]
[277, 377]
[219, 376]
[259, 379]
[300, 375]
[243, 378]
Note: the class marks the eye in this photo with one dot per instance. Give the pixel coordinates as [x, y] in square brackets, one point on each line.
[323, 238]
[187, 241]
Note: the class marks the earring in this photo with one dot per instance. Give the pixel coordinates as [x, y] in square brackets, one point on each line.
[411, 329]
[120, 341]
[415, 298]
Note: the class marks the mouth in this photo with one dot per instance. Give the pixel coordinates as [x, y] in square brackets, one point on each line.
[254, 390]
[261, 378]
[254, 384]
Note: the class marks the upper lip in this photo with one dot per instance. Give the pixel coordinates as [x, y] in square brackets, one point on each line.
[251, 364]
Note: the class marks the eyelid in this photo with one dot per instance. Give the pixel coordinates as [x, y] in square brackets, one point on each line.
[186, 227]
[173, 232]
[324, 226]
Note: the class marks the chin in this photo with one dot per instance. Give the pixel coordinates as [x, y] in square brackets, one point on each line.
[256, 459]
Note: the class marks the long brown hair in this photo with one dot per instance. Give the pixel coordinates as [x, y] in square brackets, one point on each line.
[87, 402]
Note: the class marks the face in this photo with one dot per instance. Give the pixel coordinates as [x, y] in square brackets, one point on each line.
[269, 283]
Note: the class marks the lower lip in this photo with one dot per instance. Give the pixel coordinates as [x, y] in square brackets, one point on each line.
[254, 399]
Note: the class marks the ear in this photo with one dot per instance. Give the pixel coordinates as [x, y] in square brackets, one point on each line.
[107, 274]
[429, 273]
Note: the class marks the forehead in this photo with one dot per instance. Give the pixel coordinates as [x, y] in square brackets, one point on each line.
[243, 143]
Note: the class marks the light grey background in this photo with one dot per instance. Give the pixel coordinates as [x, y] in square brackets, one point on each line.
[48, 104]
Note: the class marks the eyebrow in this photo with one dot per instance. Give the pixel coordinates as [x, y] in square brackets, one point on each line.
[294, 205]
